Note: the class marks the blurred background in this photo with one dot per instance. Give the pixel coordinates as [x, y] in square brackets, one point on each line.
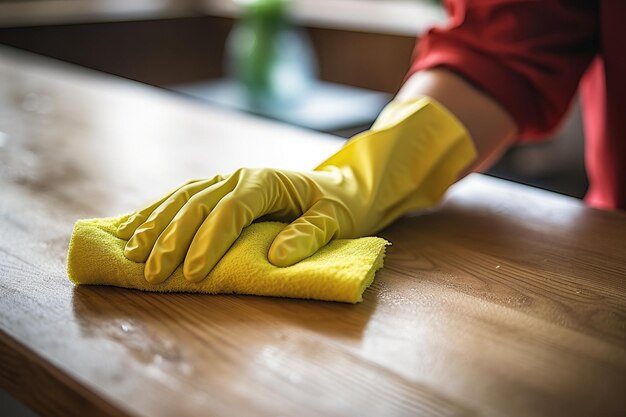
[327, 65]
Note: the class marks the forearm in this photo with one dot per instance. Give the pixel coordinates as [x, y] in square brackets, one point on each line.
[492, 129]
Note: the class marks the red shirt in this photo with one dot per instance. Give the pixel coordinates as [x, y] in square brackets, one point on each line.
[531, 56]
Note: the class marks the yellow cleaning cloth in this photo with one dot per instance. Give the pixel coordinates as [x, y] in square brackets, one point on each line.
[339, 271]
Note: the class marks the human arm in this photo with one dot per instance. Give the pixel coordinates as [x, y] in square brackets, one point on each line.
[491, 128]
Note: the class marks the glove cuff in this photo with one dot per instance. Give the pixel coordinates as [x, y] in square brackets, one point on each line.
[415, 150]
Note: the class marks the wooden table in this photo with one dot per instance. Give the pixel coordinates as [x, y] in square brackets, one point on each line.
[506, 301]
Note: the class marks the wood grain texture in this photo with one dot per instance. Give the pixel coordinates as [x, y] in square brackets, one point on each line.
[506, 301]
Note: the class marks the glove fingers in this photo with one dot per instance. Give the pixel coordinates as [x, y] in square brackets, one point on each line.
[220, 230]
[141, 243]
[304, 236]
[172, 245]
[137, 218]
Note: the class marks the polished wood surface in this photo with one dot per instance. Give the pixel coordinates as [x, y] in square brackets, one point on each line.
[506, 301]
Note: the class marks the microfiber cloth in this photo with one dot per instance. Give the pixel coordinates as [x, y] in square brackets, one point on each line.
[339, 271]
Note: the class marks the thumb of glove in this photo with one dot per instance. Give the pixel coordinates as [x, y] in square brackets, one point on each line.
[305, 235]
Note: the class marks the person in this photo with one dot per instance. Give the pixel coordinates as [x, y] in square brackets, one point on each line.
[500, 71]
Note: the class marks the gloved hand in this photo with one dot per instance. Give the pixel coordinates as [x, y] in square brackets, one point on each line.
[412, 154]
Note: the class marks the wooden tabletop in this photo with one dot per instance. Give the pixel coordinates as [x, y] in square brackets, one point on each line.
[506, 301]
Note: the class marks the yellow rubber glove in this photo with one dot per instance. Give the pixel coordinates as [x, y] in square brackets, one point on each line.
[412, 154]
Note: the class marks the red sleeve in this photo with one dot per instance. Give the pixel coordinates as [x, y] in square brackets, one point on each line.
[529, 55]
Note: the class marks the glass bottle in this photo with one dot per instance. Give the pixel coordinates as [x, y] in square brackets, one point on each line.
[271, 60]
